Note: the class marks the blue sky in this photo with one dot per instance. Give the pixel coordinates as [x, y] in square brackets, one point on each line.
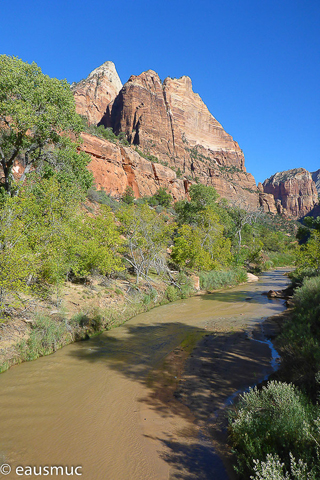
[255, 63]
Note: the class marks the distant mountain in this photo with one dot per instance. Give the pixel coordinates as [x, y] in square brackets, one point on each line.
[294, 192]
[316, 179]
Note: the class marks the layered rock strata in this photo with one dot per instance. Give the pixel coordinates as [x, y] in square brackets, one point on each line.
[294, 192]
[93, 95]
[169, 123]
[115, 167]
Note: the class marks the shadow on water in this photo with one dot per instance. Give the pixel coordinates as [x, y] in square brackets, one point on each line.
[197, 461]
[223, 363]
[214, 367]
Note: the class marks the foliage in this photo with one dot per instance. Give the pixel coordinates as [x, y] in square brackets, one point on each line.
[308, 255]
[47, 336]
[275, 420]
[147, 235]
[69, 167]
[201, 197]
[103, 132]
[222, 278]
[99, 245]
[274, 469]
[161, 197]
[300, 340]
[128, 196]
[203, 246]
[44, 236]
[35, 113]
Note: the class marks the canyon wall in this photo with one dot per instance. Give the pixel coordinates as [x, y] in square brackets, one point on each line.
[169, 123]
[294, 192]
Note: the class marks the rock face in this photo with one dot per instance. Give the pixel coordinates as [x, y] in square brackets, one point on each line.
[294, 192]
[115, 167]
[93, 95]
[171, 124]
[316, 179]
[266, 200]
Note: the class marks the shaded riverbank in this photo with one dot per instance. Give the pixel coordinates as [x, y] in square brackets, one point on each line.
[105, 404]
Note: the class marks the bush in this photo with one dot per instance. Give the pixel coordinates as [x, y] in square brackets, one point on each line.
[275, 420]
[222, 278]
[273, 469]
[128, 196]
[282, 259]
[47, 336]
[300, 340]
[172, 293]
[100, 196]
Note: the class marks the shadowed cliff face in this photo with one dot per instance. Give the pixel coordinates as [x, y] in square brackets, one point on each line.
[316, 179]
[294, 192]
[168, 121]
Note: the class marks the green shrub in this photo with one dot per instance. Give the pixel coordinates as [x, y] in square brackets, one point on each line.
[221, 278]
[128, 196]
[100, 196]
[172, 293]
[282, 259]
[47, 335]
[274, 469]
[300, 339]
[185, 284]
[275, 420]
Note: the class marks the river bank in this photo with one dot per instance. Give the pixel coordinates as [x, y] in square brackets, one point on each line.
[86, 310]
[113, 404]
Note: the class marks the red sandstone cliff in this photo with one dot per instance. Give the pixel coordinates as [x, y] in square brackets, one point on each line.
[93, 95]
[294, 192]
[170, 122]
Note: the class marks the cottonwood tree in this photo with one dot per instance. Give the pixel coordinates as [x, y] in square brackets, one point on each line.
[36, 112]
[202, 246]
[201, 197]
[242, 214]
[147, 235]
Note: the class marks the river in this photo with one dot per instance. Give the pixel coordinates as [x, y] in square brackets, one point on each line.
[105, 404]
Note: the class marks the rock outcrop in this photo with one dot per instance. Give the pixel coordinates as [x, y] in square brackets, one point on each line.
[115, 167]
[316, 179]
[171, 125]
[266, 201]
[294, 192]
[93, 95]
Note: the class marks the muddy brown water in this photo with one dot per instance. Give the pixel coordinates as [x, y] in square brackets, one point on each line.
[93, 404]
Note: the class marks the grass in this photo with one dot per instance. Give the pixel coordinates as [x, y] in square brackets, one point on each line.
[281, 259]
[221, 278]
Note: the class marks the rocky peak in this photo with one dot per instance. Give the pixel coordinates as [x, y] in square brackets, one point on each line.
[294, 191]
[93, 94]
[172, 126]
[108, 70]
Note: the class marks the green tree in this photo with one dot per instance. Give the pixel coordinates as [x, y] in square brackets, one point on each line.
[308, 254]
[128, 196]
[98, 245]
[202, 246]
[36, 112]
[201, 197]
[147, 235]
[161, 197]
